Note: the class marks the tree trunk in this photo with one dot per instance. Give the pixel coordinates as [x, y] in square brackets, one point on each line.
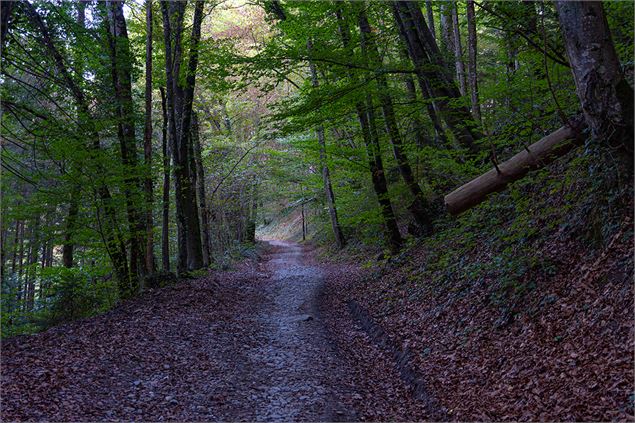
[419, 207]
[366, 116]
[76, 189]
[3, 249]
[430, 14]
[535, 156]
[6, 9]
[16, 243]
[302, 214]
[417, 126]
[71, 223]
[165, 224]
[202, 201]
[433, 73]
[326, 176]
[121, 60]
[180, 93]
[471, 61]
[447, 33]
[606, 97]
[34, 249]
[147, 144]
[458, 50]
[21, 250]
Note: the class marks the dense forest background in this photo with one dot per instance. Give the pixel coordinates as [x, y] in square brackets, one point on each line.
[149, 140]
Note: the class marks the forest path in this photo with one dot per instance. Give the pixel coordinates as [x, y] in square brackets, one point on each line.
[243, 345]
[294, 373]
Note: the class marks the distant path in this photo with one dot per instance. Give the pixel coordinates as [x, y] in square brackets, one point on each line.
[251, 346]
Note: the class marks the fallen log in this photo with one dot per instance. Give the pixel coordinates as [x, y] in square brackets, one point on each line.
[533, 157]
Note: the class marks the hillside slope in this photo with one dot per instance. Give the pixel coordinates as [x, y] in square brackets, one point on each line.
[520, 310]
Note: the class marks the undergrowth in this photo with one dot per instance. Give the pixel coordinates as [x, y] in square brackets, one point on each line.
[501, 243]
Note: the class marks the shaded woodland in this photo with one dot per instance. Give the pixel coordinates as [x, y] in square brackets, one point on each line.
[147, 142]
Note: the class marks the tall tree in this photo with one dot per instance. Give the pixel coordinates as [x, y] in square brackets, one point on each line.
[419, 207]
[366, 116]
[114, 243]
[471, 61]
[180, 92]
[326, 175]
[200, 188]
[165, 203]
[458, 49]
[446, 39]
[430, 15]
[121, 63]
[433, 72]
[68, 245]
[147, 143]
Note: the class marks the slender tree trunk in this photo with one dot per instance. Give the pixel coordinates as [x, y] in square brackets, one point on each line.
[76, 189]
[418, 128]
[430, 14]
[432, 71]
[165, 225]
[419, 207]
[439, 132]
[326, 176]
[71, 223]
[458, 49]
[366, 116]
[200, 186]
[180, 92]
[371, 137]
[3, 249]
[302, 213]
[147, 144]
[16, 244]
[173, 16]
[606, 97]
[21, 250]
[121, 59]
[34, 249]
[447, 33]
[471, 61]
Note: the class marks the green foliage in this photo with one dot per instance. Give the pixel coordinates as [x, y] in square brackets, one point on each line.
[74, 293]
[65, 294]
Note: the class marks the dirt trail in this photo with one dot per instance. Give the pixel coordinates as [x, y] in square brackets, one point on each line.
[300, 371]
[251, 346]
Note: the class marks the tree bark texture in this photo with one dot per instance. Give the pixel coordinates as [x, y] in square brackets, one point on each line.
[121, 60]
[471, 61]
[458, 50]
[165, 206]
[605, 96]
[180, 93]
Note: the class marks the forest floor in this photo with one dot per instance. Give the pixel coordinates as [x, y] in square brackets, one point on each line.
[257, 343]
